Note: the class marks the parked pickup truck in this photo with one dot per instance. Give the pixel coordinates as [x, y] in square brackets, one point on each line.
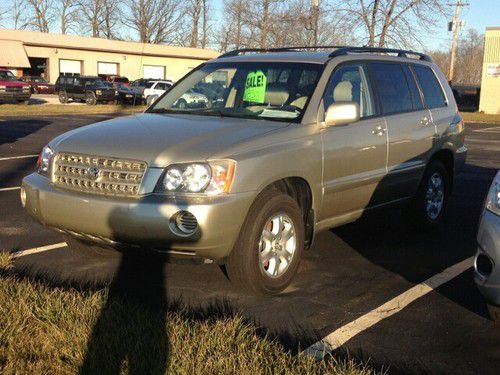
[296, 142]
[11, 89]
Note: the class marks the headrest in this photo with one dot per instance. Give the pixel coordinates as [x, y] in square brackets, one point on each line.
[276, 95]
[343, 92]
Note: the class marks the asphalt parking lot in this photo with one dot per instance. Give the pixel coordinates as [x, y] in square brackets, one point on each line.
[350, 272]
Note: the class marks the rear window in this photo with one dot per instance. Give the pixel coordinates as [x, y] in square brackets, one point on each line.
[393, 89]
[433, 93]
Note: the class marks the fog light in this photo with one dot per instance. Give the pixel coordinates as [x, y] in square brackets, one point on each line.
[484, 265]
[184, 223]
[22, 195]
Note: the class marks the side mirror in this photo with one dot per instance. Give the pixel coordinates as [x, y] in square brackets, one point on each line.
[342, 113]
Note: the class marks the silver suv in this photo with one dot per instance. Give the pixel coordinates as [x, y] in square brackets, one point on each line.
[290, 143]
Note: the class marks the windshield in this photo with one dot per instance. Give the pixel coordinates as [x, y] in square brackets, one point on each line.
[39, 79]
[270, 90]
[6, 75]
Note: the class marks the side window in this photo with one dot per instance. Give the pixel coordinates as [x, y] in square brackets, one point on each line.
[393, 89]
[415, 93]
[433, 93]
[349, 84]
[160, 86]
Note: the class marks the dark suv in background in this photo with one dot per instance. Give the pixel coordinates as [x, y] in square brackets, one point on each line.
[90, 89]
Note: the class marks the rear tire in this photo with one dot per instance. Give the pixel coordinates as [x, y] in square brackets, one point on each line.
[258, 262]
[89, 249]
[63, 97]
[429, 203]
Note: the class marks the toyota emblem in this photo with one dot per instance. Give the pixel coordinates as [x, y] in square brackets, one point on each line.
[93, 173]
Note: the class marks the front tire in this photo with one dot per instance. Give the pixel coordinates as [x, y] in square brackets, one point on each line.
[90, 98]
[429, 203]
[267, 252]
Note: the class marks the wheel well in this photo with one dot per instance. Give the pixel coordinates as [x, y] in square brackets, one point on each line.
[298, 189]
[446, 157]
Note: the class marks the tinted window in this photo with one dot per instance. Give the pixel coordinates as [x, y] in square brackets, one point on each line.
[415, 93]
[349, 84]
[433, 94]
[393, 88]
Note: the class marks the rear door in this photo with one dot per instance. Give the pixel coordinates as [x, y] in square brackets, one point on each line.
[354, 154]
[409, 128]
[442, 115]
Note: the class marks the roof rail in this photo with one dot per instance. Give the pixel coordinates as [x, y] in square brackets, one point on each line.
[241, 51]
[338, 51]
[400, 52]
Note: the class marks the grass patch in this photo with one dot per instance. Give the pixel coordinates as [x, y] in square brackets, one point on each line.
[63, 330]
[480, 117]
[61, 109]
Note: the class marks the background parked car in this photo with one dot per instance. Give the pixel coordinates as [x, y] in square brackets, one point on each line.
[118, 79]
[90, 89]
[11, 89]
[146, 83]
[39, 85]
[127, 95]
[156, 90]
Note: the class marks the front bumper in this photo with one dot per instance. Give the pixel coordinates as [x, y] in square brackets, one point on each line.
[144, 222]
[8, 96]
[488, 239]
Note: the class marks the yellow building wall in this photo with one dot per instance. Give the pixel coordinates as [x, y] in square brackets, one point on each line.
[130, 66]
[490, 83]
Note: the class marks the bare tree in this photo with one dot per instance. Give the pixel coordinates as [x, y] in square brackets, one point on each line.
[395, 22]
[155, 21]
[111, 18]
[90, 16]
[67, 12]
[42, 15]
[469, 63]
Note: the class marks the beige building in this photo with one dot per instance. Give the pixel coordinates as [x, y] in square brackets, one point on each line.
[490, 82]
[34, 53]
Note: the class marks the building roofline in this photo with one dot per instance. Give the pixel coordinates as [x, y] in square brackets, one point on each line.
[73, 42]
[493, 28]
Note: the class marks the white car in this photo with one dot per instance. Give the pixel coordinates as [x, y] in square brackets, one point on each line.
[156, 90]
[191, 99]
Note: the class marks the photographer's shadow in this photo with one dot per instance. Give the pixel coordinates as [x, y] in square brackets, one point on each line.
[130, 333]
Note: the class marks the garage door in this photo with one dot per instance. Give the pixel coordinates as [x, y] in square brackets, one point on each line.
[70, 66]
[154, 71]
[107, 68]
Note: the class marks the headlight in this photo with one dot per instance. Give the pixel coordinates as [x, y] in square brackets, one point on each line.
[43, 163]
[493, 198]
[3, 87]
[98, 92]
[214, 177]
[26, 88]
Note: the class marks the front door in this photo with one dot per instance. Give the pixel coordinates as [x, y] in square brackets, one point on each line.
[355, 154]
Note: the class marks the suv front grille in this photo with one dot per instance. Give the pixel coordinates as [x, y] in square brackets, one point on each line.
[97, 174]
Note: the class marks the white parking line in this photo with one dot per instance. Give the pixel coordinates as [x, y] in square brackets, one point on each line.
[10, 188]
[36, 250]
[18, 157]
[340, 336]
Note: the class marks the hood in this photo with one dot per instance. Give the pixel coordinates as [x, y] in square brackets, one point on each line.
[160, 139]
[13, 83]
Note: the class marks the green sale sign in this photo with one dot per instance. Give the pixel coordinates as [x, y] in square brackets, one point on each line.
[255, 87]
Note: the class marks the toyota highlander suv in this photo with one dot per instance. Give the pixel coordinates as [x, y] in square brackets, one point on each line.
[298, 142]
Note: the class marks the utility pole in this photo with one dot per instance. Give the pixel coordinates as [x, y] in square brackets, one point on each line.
[455, 24]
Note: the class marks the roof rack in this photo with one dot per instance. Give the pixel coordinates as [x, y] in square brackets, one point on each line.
[338, 51]
[241, 51]
[400, 52]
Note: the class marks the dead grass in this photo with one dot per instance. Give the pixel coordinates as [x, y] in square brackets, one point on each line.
[480, 117]
[53, 330]
[61, 109]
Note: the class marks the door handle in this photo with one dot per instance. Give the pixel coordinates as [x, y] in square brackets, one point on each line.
[424, 121]
[378, 130]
